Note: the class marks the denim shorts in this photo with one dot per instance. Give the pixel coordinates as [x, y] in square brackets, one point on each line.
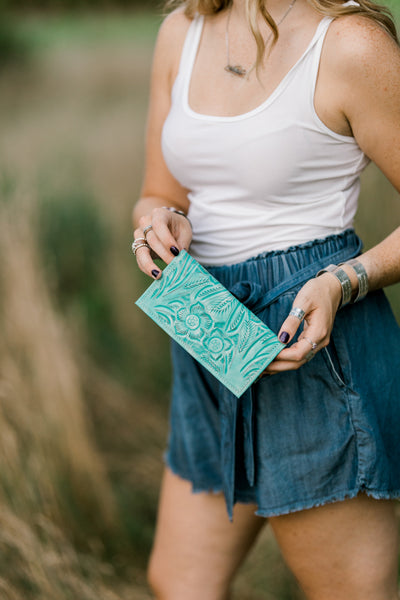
[299, 439]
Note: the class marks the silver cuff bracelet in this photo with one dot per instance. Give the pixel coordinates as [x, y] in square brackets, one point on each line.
[344, 281]
[362, 277]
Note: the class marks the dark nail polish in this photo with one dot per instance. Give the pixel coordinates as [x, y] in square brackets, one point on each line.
[155, 273]
[174, 250]
[284, 337]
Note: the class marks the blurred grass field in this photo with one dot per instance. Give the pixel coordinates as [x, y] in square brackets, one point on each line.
[84, 377]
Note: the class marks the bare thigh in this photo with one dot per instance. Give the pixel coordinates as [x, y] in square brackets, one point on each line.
[197, 550]
[341, 551]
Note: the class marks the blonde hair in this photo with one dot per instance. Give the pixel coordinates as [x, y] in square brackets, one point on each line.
[331, 8]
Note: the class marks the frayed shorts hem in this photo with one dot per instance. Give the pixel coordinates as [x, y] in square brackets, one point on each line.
[337, 497]
[216, 488]
[200, 488]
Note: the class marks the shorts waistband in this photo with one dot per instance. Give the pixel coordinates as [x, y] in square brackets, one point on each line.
[259, 281]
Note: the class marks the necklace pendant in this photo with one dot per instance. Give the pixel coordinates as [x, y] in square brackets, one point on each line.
[236, 70]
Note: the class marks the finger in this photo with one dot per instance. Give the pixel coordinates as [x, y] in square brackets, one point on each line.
[298, 352]
[144, 260]
[166, 254]
[184, 237]
[159, 237]
[281, 366]
[182, 231]
[289, 328]
[164, 223]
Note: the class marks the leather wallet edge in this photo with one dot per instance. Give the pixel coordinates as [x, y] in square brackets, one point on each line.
[276, 346]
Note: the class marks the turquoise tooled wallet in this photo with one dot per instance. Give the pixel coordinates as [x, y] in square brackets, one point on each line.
[210, 323]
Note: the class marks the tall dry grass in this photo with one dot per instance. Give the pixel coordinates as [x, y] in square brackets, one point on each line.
[52, 480]
[62, 535]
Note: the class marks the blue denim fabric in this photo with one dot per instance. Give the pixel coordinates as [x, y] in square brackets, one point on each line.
[301, 438]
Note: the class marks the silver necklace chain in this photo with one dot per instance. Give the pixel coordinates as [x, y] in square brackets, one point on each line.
[238, 69]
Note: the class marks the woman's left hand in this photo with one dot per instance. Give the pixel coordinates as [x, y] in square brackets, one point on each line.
[319, 298]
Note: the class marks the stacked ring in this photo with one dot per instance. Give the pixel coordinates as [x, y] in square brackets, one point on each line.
[139, 243]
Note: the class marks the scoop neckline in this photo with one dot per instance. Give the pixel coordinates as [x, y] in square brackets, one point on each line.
[276, 91]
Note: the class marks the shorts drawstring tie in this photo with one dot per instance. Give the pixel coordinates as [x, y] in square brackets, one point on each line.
[252, 295]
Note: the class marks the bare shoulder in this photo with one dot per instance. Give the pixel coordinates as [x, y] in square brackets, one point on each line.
[363, 80]
[170, 40]
[358, 47]
[174, 27]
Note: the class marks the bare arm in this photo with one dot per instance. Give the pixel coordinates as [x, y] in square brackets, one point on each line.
[159, 187]
[371, 103]
[363, 64]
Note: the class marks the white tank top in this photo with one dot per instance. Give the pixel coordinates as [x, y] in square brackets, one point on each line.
[266, 179]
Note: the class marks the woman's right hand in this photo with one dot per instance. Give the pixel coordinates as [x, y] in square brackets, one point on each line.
[170, 232]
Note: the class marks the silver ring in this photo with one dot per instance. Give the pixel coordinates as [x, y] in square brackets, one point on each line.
[313, 344]
[135, 247]
[297, 312]
[138, 241]
[146, 230]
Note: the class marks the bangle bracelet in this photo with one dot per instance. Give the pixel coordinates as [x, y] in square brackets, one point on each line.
[344, 281]
[362, 278]
[178, 212]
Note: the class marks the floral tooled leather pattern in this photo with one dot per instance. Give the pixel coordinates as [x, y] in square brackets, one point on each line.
[210, 323]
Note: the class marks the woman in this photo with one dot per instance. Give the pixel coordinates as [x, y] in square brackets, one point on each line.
[262, 116]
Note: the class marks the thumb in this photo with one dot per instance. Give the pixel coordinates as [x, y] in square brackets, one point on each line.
[184, 237]
[289, 328]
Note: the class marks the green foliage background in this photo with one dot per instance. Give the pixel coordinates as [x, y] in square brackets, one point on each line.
[84, 376]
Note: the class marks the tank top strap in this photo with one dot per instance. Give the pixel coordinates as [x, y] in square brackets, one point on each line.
[189, 50]
[317, 51]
